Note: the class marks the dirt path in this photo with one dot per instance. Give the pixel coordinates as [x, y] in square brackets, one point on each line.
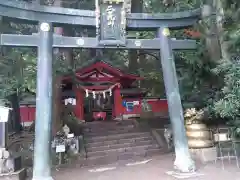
[153, 170]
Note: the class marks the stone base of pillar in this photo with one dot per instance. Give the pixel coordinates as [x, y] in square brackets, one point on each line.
[183, 162]
[181, 175]
[18, 175]
[184, 168]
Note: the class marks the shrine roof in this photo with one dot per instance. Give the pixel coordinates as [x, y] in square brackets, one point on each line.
[107, 65]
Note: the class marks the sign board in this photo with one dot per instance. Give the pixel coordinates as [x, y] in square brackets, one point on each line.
[71, 101]
[4, 113]
[129, 106]
[135, 103]
[60, 148]
[111, 22]
[70, 136]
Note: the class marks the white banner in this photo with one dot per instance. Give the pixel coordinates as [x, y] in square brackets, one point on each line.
[4, 112]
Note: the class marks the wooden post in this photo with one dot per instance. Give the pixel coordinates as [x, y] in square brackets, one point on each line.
[118, 109]
[79, 107]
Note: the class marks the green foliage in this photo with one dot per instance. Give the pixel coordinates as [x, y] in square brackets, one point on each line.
[228, 104]
[149, 66]
[156, 6]
[18, 65]
[196, 81]
[227, 99]
[18, 71]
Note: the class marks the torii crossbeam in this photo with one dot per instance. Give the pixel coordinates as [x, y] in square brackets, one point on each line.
[86, 42]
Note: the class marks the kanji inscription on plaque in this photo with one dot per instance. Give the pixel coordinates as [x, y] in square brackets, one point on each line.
[111, 22]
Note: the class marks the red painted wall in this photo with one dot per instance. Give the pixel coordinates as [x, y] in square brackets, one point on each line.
[27, 114]
[157, 105]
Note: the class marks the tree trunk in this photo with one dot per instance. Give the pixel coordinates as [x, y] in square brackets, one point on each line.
[136, 7]
[56, 95]
[214, 31]
[14, 100]
[142, 64]
[56, 115]
[67, 54]
[212, 36]
[217, 4]
[216, 45]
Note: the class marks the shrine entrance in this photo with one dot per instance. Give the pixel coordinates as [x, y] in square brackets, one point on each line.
[99, 109]
[99, 89]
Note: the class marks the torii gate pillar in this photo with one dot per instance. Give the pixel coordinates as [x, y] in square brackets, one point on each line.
[43, 123]
[183, 161]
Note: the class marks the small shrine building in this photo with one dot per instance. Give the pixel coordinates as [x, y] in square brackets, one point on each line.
[101, 89]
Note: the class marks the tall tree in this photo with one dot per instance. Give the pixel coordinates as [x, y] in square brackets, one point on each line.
[136, 7]
[227, 101]
[13, 64]
[209, 28]
[63, 62]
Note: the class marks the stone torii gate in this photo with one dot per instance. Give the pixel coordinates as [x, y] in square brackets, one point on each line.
[112, 23]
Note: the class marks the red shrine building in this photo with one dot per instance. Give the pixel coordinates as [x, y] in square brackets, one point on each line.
[102, 91]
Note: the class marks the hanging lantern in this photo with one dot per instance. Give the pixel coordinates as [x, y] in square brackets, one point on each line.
[87, 94]
[104, 94]
[94, 95]
[110, 92]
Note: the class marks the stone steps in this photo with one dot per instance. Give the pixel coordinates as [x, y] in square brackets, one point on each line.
[111, 132]
[120, 158]
[100, 129]
[107, 124]
[91, 139]
[114, 151]
[119, 146]
[116, 143]
[128, 154]
[97, 129]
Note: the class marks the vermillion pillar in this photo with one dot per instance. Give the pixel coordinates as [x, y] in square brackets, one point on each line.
[42, 167]
[79, 108]
[118, 109]
[183, 161]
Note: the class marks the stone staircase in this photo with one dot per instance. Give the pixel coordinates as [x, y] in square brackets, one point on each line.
[110, 142]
